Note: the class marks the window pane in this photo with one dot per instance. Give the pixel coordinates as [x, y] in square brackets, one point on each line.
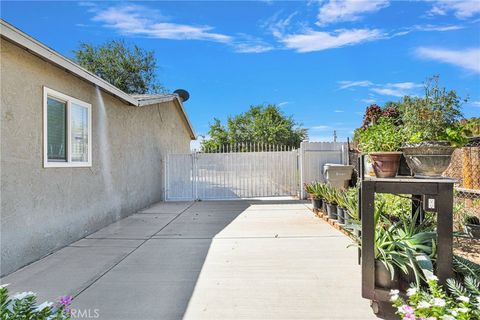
[57, 130]
[79, 116]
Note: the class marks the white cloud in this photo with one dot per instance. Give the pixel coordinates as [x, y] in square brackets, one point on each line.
[348, 10]
[468, 59]
[142, 21]
[349, 84]
[462, 9]
[319, 40]
[396, 89]
[475, 104]
[338, 111]
[369, 101]
[245, 43]
[284, 103]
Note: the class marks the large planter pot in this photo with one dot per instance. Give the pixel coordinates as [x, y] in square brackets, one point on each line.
[473, 230]
[341, 215]
[428, 159]
[332, 211]
[383, 277]
[317, 204]
[385, 164]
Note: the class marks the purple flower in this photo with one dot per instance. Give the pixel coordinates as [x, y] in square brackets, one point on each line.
[409, 316]
[406, 309]
[65, 301]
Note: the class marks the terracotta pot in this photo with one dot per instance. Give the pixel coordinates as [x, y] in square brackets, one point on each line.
[385, 164]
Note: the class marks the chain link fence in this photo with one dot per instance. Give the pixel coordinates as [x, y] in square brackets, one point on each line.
[465, 167]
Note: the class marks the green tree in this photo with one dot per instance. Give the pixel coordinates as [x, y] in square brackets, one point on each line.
[260, 124]
[130, 69]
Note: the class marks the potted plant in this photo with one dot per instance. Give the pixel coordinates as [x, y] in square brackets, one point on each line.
[342, 206]
[331, 199]
[382, 142]
[312, 191]
[432, 131]
[472, 226]
[351, 206]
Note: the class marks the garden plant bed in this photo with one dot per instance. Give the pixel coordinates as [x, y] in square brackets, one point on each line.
[467, 248]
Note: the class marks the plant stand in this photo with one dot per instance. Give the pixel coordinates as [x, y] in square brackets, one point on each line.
[435, 195]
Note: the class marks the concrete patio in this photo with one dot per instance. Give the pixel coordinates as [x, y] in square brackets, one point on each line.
[206, 260]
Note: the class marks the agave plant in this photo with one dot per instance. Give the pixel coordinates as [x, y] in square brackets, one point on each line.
[351, 203]
[404, 245]
[331, 195]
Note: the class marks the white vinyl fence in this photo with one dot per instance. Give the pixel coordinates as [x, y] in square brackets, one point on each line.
[264, 172]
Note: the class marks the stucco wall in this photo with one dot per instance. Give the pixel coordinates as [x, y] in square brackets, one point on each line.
[43, 209]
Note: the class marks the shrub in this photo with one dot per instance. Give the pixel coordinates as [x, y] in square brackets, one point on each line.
[24, 306]
[433, 117]
[462, 302]
[382, 136]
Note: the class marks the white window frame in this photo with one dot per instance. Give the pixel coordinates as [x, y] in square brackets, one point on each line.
[47, 92]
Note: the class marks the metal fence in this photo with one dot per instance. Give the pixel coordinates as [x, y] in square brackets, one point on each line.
[248, 170]
[233, 172]
[465, 167]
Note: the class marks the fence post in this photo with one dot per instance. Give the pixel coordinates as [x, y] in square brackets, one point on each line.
[301, 165]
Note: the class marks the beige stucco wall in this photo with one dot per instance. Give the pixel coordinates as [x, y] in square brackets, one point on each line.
[43, 209]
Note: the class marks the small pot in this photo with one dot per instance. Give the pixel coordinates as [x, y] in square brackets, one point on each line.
[385, 164]
[332, 211]
[317, 204]
[324, 206]
[341, 215]
[428, 159]
[473, 230]
[346, 216]
[383, 277]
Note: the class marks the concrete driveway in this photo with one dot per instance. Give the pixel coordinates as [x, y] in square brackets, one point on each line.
[206, 260]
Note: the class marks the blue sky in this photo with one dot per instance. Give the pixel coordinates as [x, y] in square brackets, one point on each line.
[321, 61]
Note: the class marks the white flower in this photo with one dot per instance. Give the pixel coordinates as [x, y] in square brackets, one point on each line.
[20, 296]
[411, 291]
[423, 305]
[432, 277]
[463, 299]
[44, 305]
[447, 317]
[439, 302]
[454, 313]
[394, 297]
[463, 310]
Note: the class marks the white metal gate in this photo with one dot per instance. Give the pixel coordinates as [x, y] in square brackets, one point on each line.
[231, 175]
[266, 172]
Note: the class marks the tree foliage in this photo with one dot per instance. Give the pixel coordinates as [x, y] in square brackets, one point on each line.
[131, 69]
[260, 124]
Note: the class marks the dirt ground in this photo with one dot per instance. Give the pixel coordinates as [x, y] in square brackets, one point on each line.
[467, 248]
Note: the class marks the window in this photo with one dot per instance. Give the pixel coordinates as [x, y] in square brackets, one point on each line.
[67, 131]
